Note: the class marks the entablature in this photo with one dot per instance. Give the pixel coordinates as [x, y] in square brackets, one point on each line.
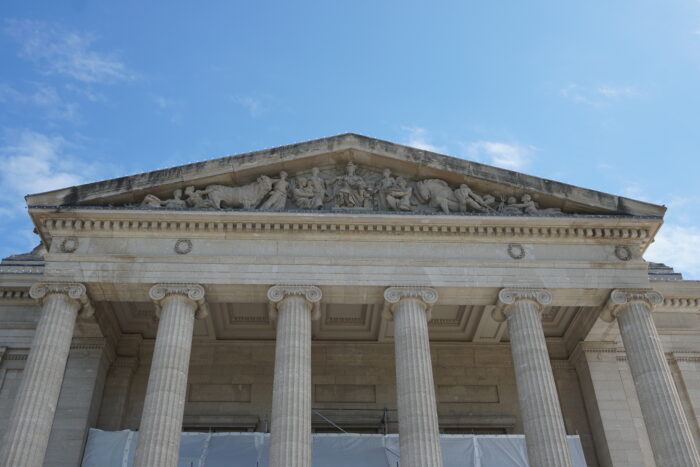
[142, 222]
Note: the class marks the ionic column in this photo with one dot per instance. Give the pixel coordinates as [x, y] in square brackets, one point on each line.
[177, 305]
[545, 435]
[294, 307]
[669, 433]
[35, 404]
[419, 435]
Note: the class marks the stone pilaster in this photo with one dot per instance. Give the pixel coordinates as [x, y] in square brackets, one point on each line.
[419, 435]
[293, 307]
[116, 393]
[34, 408]
[545, 435]
[177, 305]
[669, 433]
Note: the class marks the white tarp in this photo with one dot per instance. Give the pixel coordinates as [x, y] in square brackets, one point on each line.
[117, 449]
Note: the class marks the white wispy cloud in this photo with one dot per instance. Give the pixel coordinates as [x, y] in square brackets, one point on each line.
[679, 247]
[419, 138]
[170, 107]
[598, 96]
[33, 163]
[56, 50]
[512, 156]
[254, 105]
[53, 106]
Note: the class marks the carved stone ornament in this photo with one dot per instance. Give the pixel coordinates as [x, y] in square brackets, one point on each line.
[623, 253]
[516, 251]
[192, 292]
[183, 246]
[393, 295]
[69, 245]
[621, 297]
[348, 187]
[312, 294]
[72, 290]
[509, 296]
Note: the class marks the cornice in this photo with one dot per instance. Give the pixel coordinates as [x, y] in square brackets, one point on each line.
[81, 221]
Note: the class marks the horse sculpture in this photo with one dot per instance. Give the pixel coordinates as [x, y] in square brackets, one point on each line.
[437, 194]
[246, 196]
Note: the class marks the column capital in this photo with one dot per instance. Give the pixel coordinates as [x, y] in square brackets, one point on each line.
[393, 296]
[73, 290]
[621, 297]
[278, 293]
[192, 292]
[511, 295]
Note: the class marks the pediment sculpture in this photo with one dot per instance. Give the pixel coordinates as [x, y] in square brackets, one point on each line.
[348, 190]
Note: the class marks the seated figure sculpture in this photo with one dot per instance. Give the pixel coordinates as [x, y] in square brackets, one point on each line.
[398, 196]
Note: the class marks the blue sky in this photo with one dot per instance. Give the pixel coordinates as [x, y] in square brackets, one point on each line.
[598, 94]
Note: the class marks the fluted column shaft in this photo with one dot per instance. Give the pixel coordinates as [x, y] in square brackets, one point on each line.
[545, 434]
[419, 435]
[290, 436]
[163, 409]
[669, 433]
[35, 404]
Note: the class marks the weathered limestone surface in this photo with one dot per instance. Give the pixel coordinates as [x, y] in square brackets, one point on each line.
[79, 403]
[290, 435]
[613, 411]
[419, 436]
[669, 433]
[161, 420]
[545, 435]
[33, 412]
[116, 393]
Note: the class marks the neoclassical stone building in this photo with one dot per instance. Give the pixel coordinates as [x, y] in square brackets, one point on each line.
[345, 285]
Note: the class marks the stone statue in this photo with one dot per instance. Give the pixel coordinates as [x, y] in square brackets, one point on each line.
[351, 190]
[490, 201]
[468, 199]
[310, 192]
[511, 206]
[246, 196]
[176, 202]
[438, 194]
[398, 196]
[195, 198]
[151, 201]
[278, 196]
[382, 189]
[348, 190]
[529, 206]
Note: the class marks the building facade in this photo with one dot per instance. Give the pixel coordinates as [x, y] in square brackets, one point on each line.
[347, 285]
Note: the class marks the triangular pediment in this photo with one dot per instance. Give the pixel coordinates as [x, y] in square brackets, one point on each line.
[347, 173]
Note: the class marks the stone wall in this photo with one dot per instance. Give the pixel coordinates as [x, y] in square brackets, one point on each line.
[78, 404]
[230, 385]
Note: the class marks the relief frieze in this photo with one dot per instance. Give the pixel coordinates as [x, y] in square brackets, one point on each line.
[349, 189]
